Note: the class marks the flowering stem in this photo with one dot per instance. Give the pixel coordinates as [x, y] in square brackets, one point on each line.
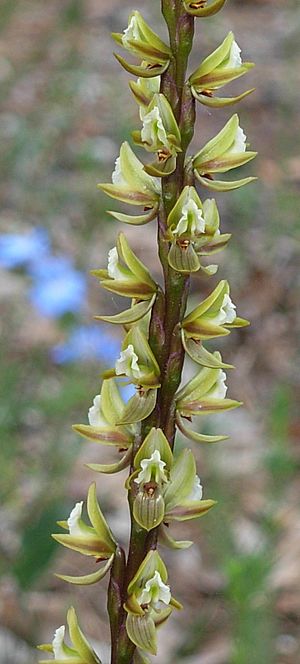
[169, 308]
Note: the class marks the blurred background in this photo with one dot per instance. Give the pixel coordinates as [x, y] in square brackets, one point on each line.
[65, 109]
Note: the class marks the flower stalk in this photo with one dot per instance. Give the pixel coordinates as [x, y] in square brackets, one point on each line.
[159, 332]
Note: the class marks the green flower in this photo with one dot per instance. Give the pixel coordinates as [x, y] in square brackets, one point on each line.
[81, 651]
[222, 153]
[142, 42]
[149, 602]
[219, 68]
[95, 540]
[132, 185]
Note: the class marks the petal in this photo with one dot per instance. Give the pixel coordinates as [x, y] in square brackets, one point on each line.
[103, 436]
[199, 354]
[127, 195]
[213, 60]
[197, 437]
[111, 468]
[139, 407]
[97, 519]
[222, 185]
[219, 144]
[220, 102]
[141, 631]
[183, 259]
[135, 220]
[148, 511]
[166, 539]
[139, 70]
[207, 406]
[88, 546]
[79, 641]
[192, 510]
[88, 579]
[129, 316]
[133, 263]
[211, 9]
[182, 477]
[161, 169]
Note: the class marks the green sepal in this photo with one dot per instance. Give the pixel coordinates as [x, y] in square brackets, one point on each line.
[126, 195]
[207, 406]
[155, 440]
[139, 70]
[195, 436]
[132, 289]
[199, 354]
[168, 541]
[135, 220]
[148, 511]
[223, 185]
[161, 169]
[97, 519]
[203, 12]
[217, 243]
[79, 641]
[209, 270]
[111, 468]
[182, 476]
[183, 259]
[130, 316]
[144, 89]
[199, 386]
[219, 144]
[133, 263]
[219, 102]
[139, 407]
[217, 78]
[190, 510]
[88, 579]
[88, 546]
[226, 162]
[142, 632]
[113, 437]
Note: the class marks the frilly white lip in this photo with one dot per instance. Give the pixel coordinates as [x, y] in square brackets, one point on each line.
[132, 32]
[154, 466]
[191, 219]
[235, 59]
[153, 129]
[74, 519]
[227, 313]
[113, 269]
[95, 415]
[154, 592]
[127, 363]
[239, 144]
[220, 389]
[197, 490]
[58, 642]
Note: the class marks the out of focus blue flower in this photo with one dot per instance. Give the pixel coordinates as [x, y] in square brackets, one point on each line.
[58, 288]
[17, 250]
[86, 343]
